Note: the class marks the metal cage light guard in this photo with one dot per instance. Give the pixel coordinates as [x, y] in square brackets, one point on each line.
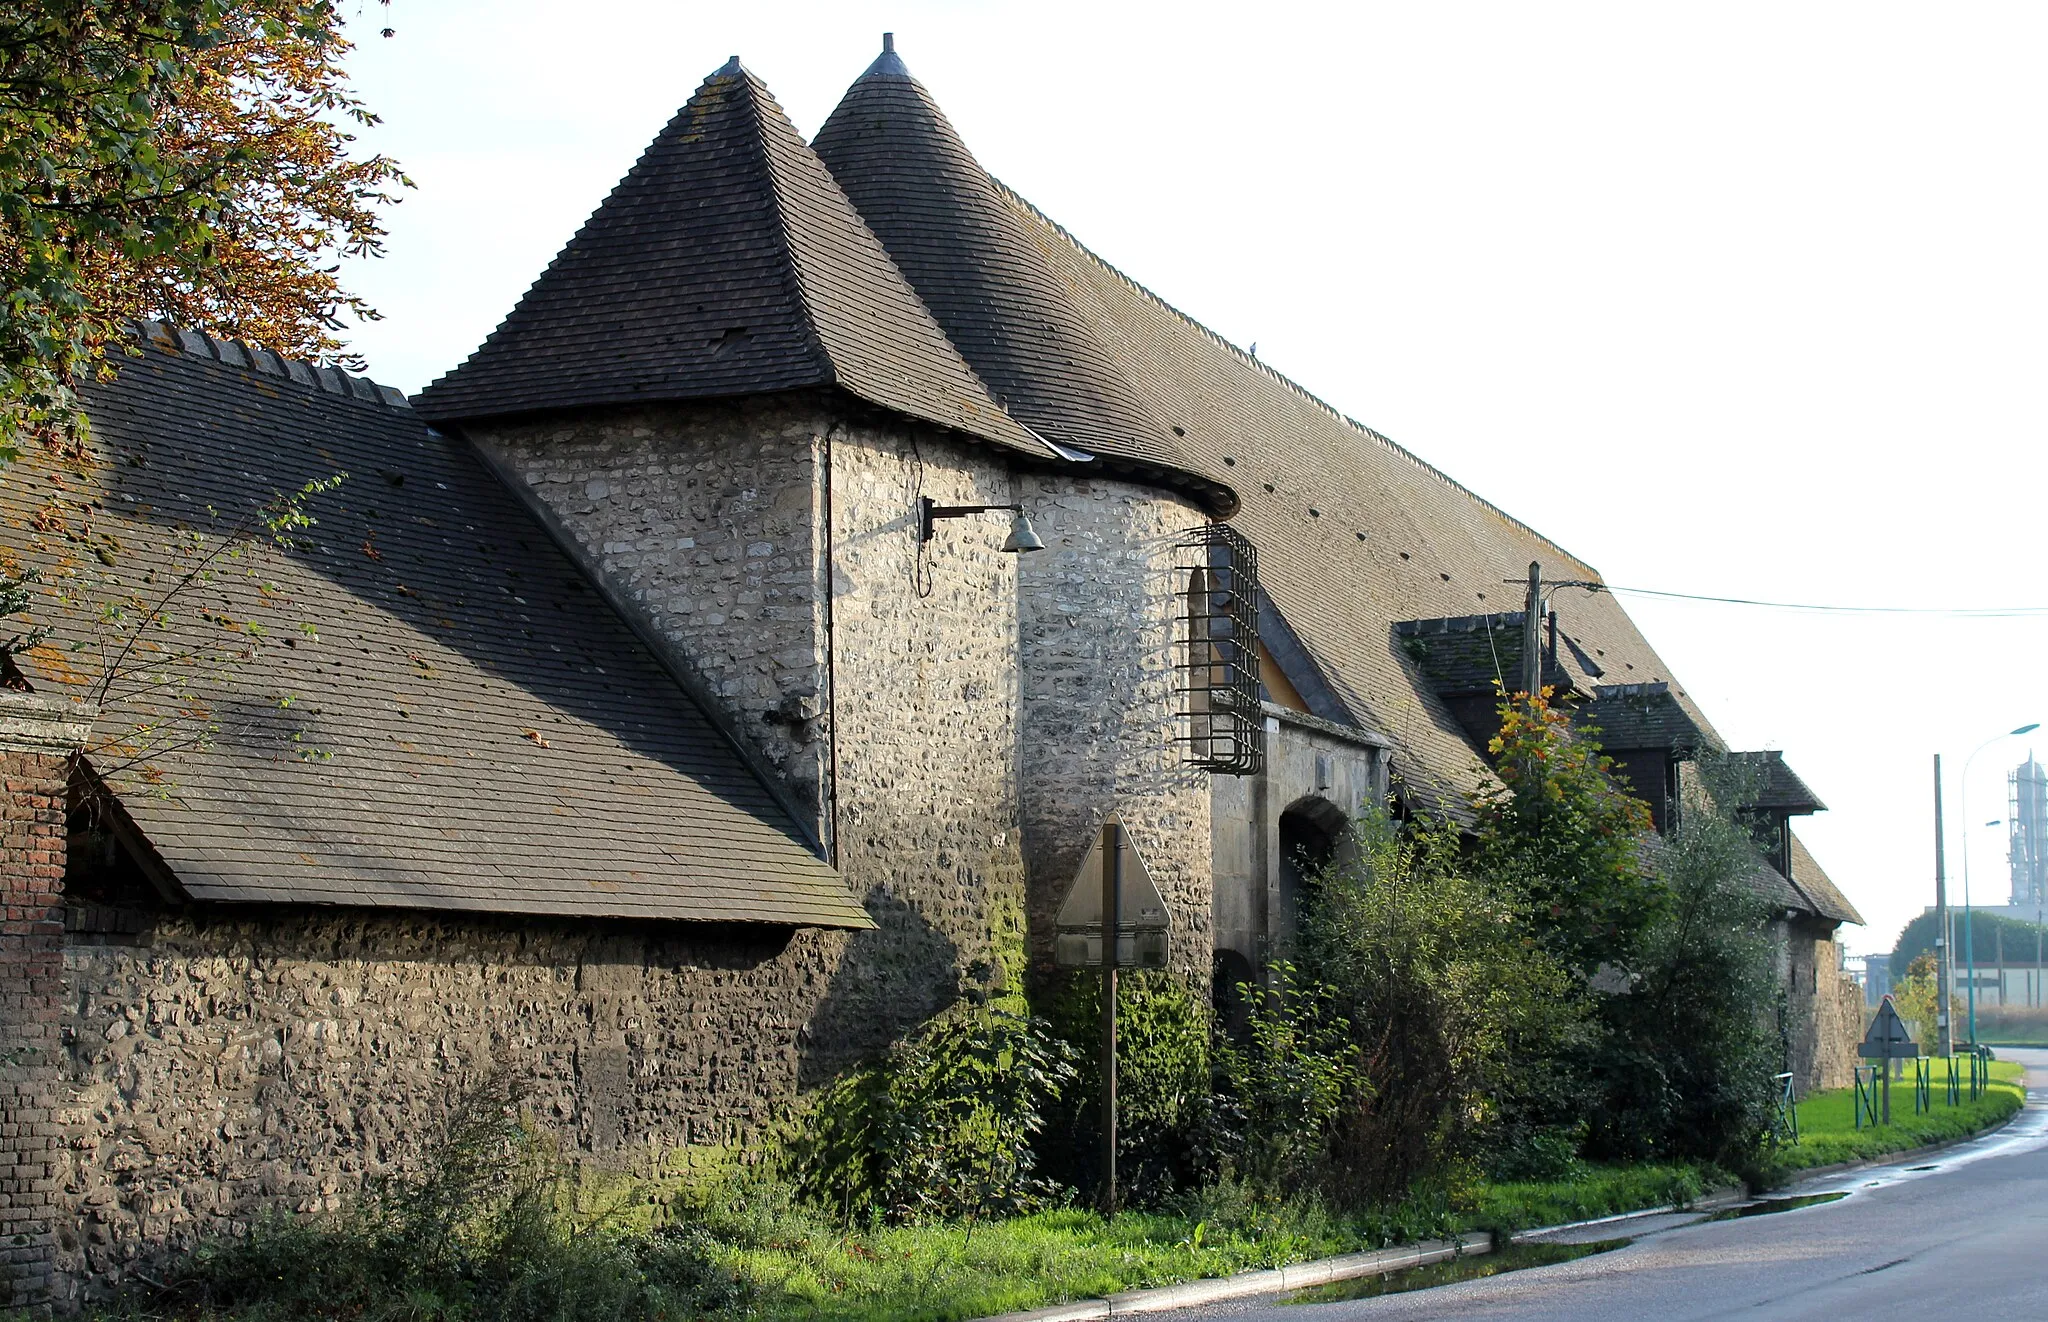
[1226, 731]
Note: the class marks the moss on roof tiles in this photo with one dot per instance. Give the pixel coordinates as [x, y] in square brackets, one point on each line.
[387, 760]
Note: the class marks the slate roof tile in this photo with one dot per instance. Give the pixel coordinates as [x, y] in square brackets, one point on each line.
[726, 262]
[950, 229]
[386, 762]
[1777, 785]
[1643, 716]
[1823, 896]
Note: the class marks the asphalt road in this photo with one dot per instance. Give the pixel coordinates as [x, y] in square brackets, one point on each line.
[1971, 1233]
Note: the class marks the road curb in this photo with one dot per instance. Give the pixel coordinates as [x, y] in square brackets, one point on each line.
[1350, 1266]
[1711, 1202]
[1245, 1285]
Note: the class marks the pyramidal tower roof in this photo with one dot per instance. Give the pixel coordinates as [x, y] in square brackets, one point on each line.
[976, 266]
[726, 262]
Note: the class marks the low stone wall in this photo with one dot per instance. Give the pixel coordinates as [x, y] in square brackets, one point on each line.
[270, 1060]
[1824, 1010]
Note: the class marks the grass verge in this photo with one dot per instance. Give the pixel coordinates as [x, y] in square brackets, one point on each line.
[750, 1250]
[943, 1273]
[1828, 1134]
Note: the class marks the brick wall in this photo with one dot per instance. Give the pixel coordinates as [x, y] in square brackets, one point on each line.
[36, 739]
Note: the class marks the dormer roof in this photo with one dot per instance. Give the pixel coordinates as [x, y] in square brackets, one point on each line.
[727, 262]
[1777, 788]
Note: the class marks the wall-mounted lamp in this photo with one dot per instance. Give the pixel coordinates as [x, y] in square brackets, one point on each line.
[1023, 537]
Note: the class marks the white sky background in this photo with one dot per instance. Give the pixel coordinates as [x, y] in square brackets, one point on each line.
[1735, 299]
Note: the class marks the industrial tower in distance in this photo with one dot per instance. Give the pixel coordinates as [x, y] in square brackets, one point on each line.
[2027, 818]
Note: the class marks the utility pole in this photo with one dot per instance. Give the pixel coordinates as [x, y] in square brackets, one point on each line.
[1112, 920]
[1532, 635]
[1944, 1038]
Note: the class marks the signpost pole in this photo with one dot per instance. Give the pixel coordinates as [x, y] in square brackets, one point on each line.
[1112, 919]
[1944, 1042]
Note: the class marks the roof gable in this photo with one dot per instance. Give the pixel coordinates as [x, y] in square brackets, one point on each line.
[949, 228]
[468, 728]
[726, 262]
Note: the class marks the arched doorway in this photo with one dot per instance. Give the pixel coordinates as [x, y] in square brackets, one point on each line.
[1310, 832]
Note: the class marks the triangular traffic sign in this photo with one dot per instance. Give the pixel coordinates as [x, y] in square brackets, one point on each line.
[1142, 923]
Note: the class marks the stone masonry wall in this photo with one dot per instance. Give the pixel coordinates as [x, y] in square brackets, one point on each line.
[1101, 631]
[36, 740]
[223, 1065]
[711, 518]
[1824, 1009]
[706, 520]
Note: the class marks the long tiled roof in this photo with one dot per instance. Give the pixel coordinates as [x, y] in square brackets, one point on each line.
[727, 262]
[472, 727]
[972, 259]
[1354, 533]
[1822, 895]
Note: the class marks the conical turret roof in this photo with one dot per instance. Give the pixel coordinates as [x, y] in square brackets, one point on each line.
[726, 262]
[950, 230]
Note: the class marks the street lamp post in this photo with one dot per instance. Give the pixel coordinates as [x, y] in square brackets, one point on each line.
[1969, 948]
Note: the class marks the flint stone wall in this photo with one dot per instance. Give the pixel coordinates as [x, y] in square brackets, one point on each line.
[226, 1064]
[1824, 1008]
[848, 655]
[1102, 624]
[980, 709]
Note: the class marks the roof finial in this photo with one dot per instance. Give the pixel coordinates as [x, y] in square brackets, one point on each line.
[887, 65]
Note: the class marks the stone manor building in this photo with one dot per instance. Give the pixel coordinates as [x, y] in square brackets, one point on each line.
[723, 669]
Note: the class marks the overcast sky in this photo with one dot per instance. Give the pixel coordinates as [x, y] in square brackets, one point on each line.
[1744, 300]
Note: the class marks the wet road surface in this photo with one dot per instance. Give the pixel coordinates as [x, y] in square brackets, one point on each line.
[1964, 1230]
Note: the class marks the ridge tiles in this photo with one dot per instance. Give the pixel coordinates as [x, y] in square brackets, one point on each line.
[727, 262]
[947, 225]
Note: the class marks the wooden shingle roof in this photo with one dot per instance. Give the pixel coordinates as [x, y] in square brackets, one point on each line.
[726, 262]
[466, 726]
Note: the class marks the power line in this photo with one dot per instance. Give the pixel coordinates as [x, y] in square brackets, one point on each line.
[1949, 612]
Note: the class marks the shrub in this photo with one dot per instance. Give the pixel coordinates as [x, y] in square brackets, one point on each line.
[1914, 997]
[1692, 1040]
[1280, 1089]
[1448, 999]
[943, 1126]
[1556, 829]
[484, 1229]
[1164, 1141]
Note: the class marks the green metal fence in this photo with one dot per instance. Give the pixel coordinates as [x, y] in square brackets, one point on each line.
[1967, 1073]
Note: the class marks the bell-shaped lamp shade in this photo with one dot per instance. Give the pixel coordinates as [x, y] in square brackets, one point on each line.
[1023, 537]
